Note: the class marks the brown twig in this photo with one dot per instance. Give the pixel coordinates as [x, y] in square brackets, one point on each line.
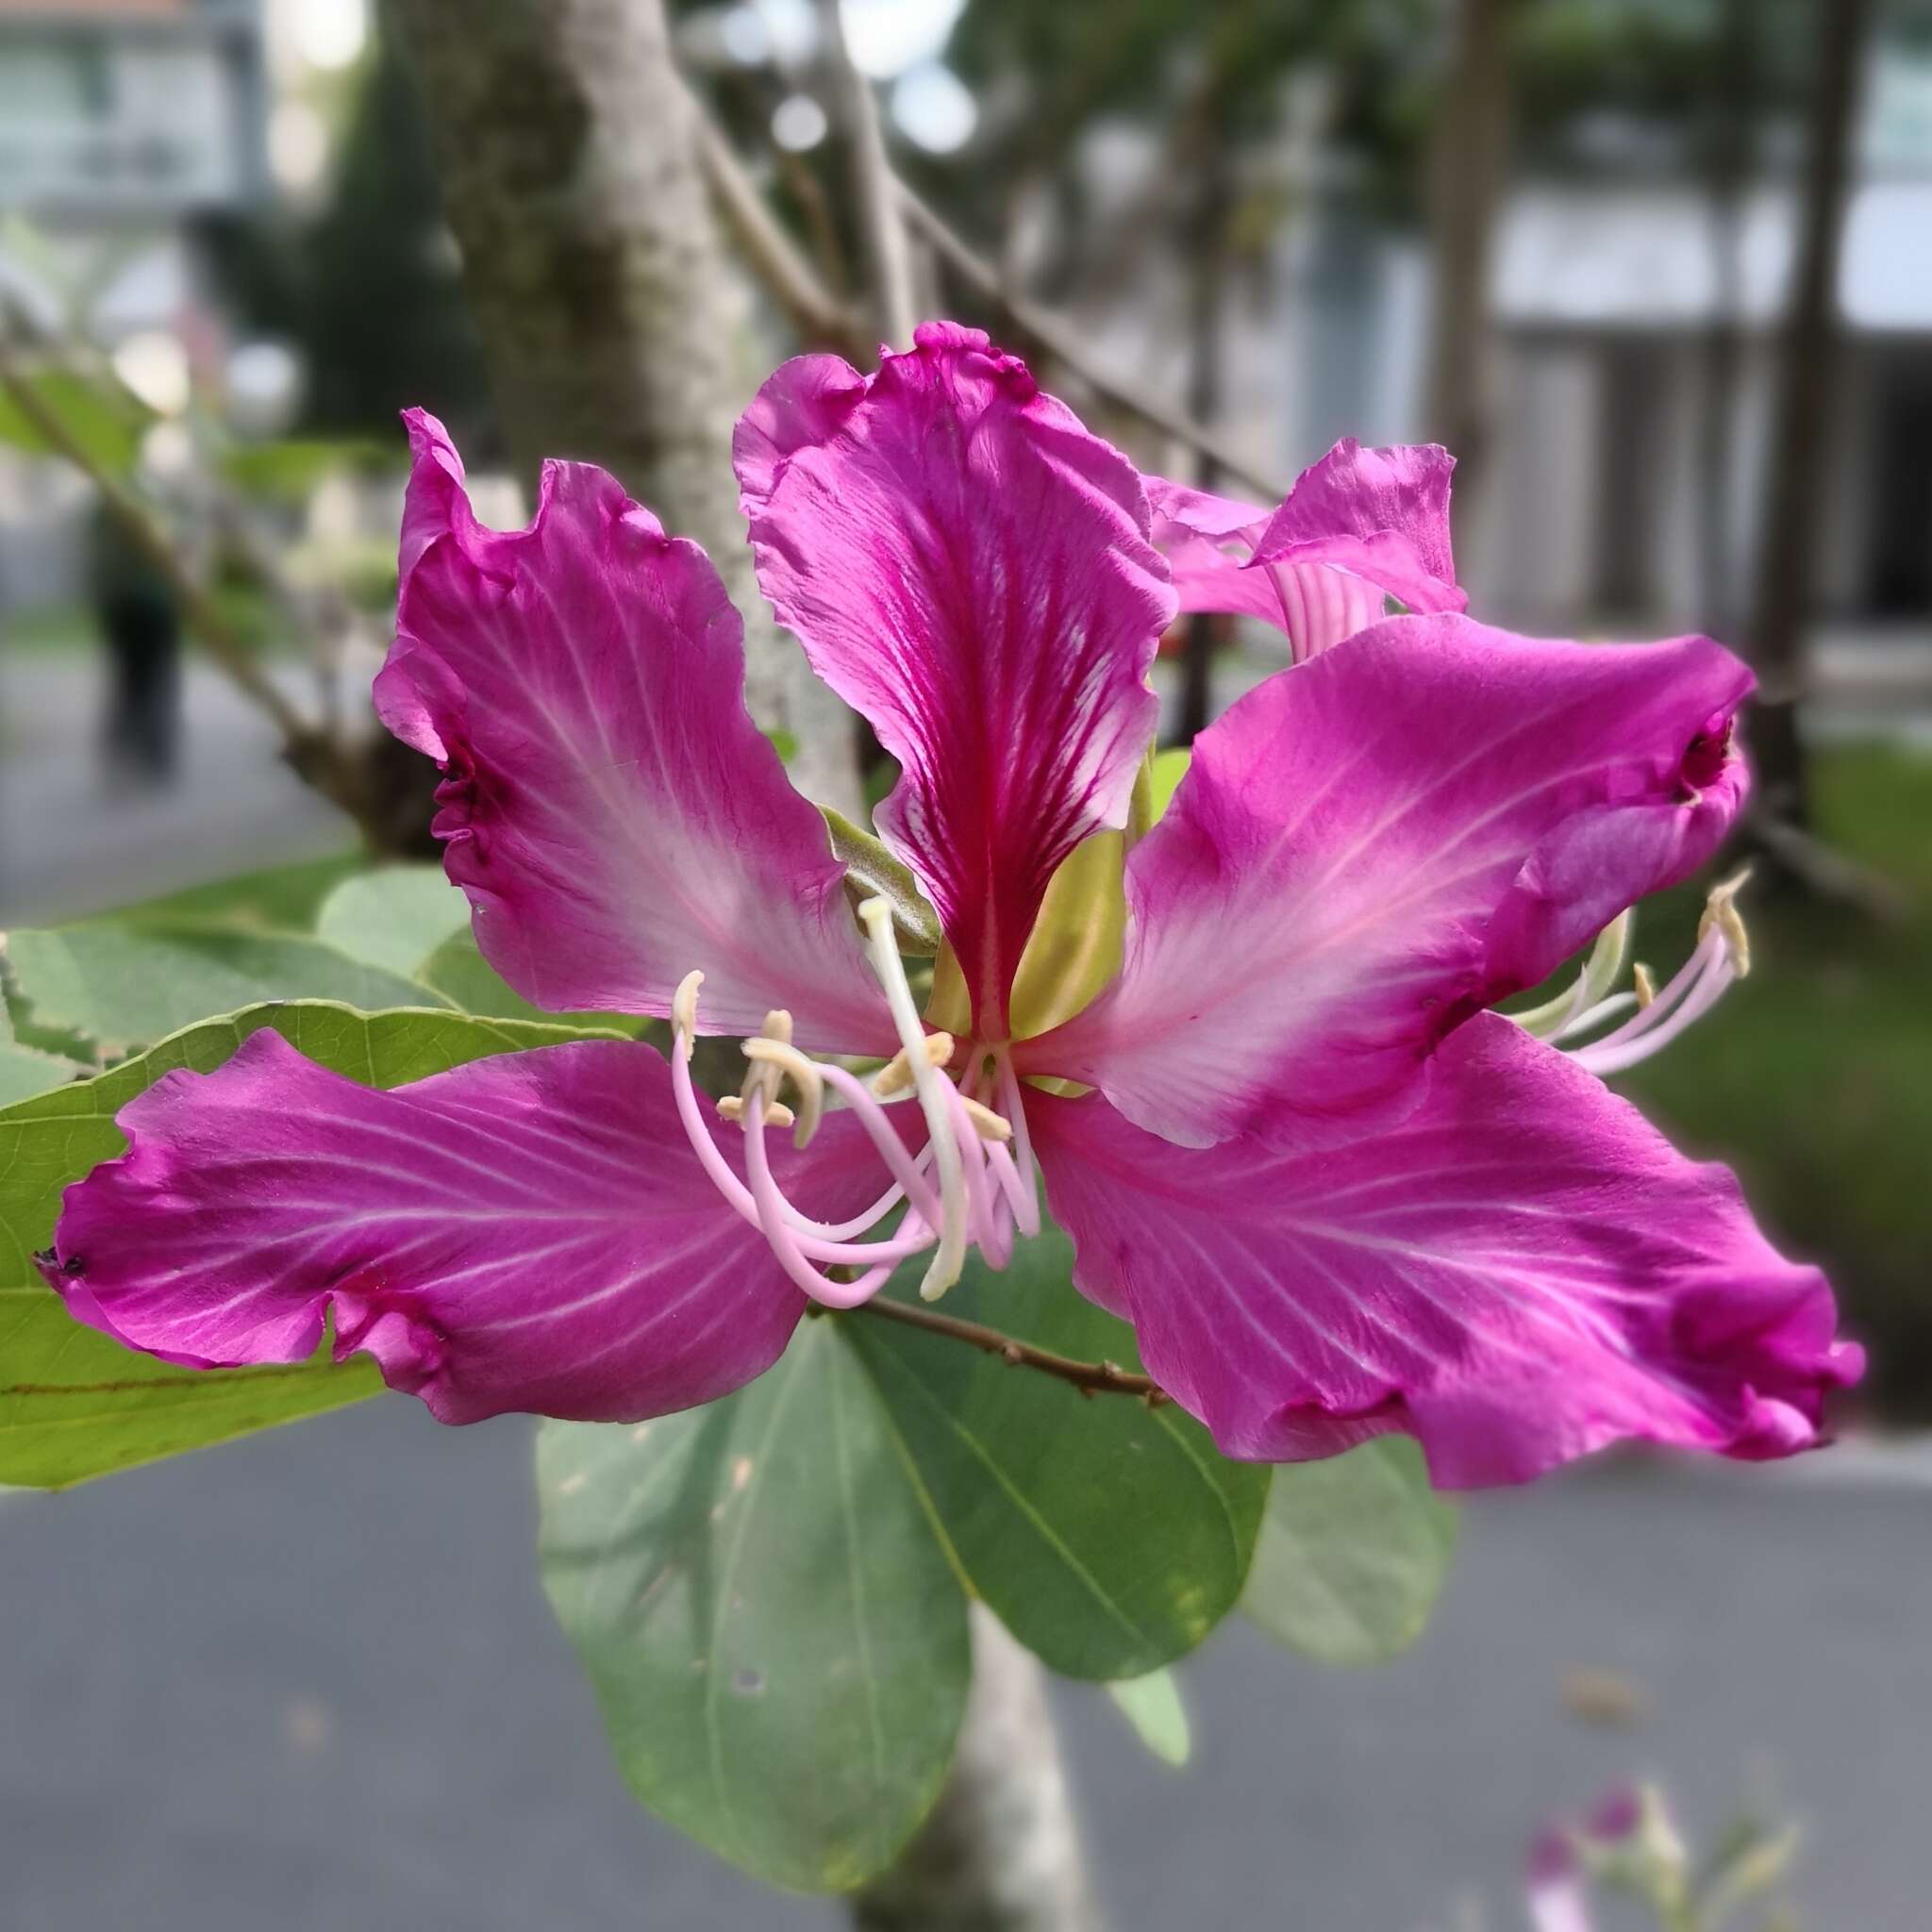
[817, 314]
[1034, 329]
[1824, 873]
[814, 311]
[1091, 1378]
[880, 216]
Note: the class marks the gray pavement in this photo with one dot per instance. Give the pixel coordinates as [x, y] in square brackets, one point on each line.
[71, 842]
[308, 1682]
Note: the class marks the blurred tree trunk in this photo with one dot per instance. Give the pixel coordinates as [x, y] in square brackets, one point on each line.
[1469, 151]
[1206, 250]
[1728, 155]
[613, 317]
[1787, 550]
[999, 1853]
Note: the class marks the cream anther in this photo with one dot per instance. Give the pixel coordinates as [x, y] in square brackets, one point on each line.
[684, 1010]
[991, 1127]
[1643, 984]
[731, 1107]
[1721, 914]
[780, 1057]
[762, 1076]
[896, 1074]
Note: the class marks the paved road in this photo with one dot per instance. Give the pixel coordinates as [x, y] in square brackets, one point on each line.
[308, 1682]
[69, 843]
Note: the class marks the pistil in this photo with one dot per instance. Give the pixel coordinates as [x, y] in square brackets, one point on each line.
[932, 1087]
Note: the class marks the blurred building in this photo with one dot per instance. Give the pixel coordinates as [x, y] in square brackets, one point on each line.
[118, 112]
[1636, 321]
[1626, 314]
[121, 122]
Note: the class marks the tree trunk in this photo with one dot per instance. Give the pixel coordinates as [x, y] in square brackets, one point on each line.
[999, 1853]
[1469, 151]
[613, 317]
[1787, 554]
[1729, 152]
[1206, 631]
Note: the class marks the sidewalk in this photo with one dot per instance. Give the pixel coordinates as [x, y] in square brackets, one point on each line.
[71, 843]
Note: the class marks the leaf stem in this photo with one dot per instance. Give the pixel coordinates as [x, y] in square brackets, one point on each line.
[1091, 1378]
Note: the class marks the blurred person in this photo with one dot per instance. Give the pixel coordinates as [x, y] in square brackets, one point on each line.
[139, 620]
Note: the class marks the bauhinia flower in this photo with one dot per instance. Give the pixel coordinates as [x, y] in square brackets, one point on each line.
[1627, 1834]
[1358, 527]
[1333, 1192]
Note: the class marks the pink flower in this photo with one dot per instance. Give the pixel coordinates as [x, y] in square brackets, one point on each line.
[1332, 1192]
[1359, 527]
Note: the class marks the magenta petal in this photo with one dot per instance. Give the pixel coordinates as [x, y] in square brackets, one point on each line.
[1371, 846]
[970, 568]
[610, 810]
[1521, 1271]
[527, 1232]
[1359, 526]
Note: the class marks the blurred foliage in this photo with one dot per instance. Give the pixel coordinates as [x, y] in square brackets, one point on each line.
[102, 416]
[1153, 1706]
[282, 898]
[288, 472]
[1213, 78]
[120, 986]
[1354, 1553]
[369, 289]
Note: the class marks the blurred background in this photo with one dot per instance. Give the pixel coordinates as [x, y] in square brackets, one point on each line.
[1658, 271]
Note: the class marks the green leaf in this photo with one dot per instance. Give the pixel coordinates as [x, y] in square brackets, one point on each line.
[289, 470]
[409, 920]
[1108, 1537]
[127, 986]
[871, 871]
[102, 416]
[25, 1070]
[281, 898]
[393, 917]
[777, 1641]
[1153, 1706]
[75, 1405]
[1354, 1553]
[464, 978]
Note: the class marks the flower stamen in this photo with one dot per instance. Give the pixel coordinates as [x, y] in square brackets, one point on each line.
[895, 1077]
[776, 1053]
[973, 1182]
[1571, 1011]
[1721, 956]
